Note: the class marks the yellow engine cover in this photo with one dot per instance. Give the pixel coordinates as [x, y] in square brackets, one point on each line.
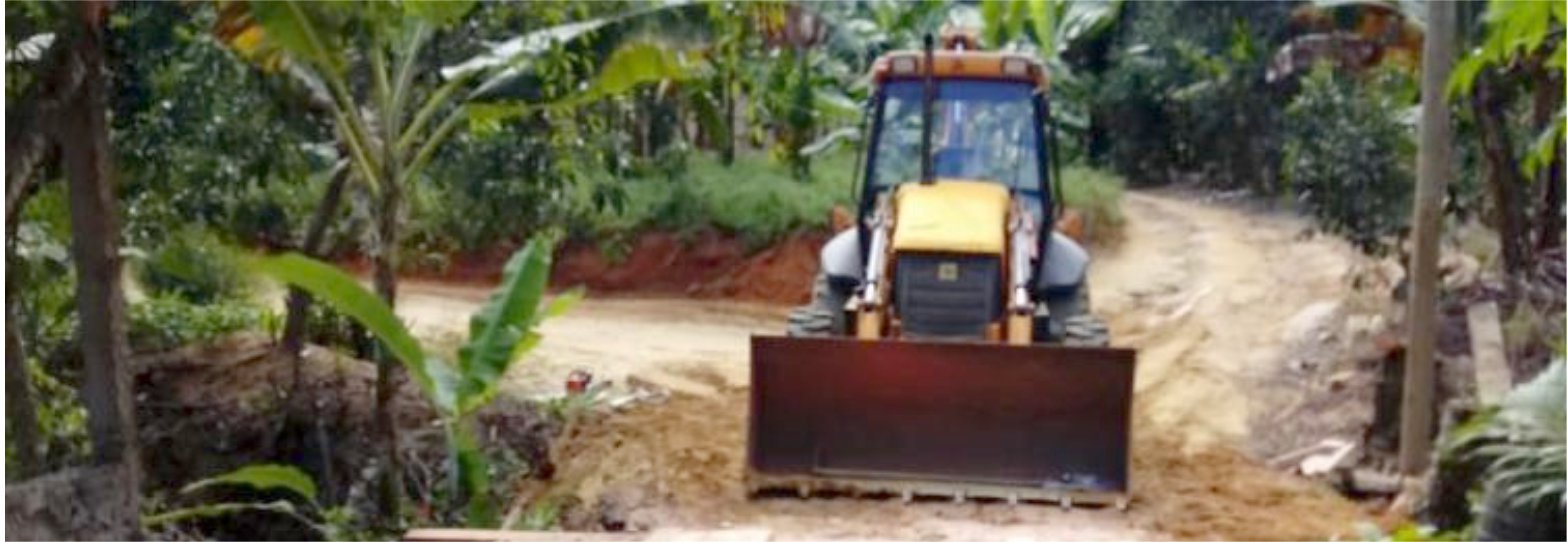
[951, 216]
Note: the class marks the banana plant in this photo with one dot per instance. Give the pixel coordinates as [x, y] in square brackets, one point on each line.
[1049, 28]
[502, 332]
[332, 523]
[395, 123]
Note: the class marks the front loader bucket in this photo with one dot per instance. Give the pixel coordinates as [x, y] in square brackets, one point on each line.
[962, 420]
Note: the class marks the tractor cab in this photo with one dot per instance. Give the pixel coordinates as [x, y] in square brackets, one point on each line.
[989, 123]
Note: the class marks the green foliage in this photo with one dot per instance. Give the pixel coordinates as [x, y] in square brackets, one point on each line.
[200, 137]
[636, 63]
[503, 329]
[343, 292]
[332, 523]
[1347, 157]
[62, 422]
[262, 478]
[1515, 31]
[324, 325]
[1097, 195]
[502, 332]
[755, 198]
[40, 280]
[1409, 532]
[544, 516]
[1180, 88]
[165, 322]
[1525, 441]
[194, 265]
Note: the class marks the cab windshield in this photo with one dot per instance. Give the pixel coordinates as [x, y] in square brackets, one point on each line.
[983, 130]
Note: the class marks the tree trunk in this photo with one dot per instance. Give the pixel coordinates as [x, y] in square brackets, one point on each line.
[293, 341]
[389, 490]
[1504, 182]
[106, 384]
[1434, 168]
[727, 146]
[21, 417]
[27, 141]
[22, 161]
[1549, 221]
[27, 147]
[300, 430]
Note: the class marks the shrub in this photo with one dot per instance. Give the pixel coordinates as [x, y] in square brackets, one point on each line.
[1347, 155]
[164, 322]
[62, 423]
[193, 265]
[1523, 445]
[1096, 194]
[755, 198]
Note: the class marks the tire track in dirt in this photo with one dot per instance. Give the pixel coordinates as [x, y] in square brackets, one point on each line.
[1202, 291]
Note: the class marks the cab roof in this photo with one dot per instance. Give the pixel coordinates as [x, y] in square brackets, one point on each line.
[960, 64]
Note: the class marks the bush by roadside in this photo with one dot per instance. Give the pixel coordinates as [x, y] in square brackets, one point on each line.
[755, 199]
[1096, 195]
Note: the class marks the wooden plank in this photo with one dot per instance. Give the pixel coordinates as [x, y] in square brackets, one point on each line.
[710, 535]
[483, 535]
[1492, 377]
[656, 535]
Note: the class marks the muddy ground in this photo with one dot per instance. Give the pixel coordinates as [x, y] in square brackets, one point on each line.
[1244, 323]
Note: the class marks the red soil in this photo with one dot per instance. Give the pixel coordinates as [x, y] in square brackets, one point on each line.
[711, 266]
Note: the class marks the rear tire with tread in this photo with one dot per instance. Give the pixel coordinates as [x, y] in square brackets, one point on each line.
[823, 317]
[1075, 323]
[1084, 330]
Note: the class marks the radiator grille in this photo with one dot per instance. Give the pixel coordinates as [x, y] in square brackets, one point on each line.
[948, 296]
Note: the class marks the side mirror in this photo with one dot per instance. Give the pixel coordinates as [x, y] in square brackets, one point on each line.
[840, 219]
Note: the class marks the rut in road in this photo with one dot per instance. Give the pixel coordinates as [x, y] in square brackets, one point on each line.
[1205, 293]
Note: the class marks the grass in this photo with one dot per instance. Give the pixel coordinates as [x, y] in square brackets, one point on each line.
[757, 200]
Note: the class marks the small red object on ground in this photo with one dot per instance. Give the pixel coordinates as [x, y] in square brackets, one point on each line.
[577, 382]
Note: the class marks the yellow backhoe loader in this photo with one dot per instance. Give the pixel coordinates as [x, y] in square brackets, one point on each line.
[949, 349]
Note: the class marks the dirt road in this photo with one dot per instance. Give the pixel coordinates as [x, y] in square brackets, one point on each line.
[1214, 298]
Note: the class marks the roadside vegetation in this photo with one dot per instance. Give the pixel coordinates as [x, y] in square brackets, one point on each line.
[754, 198]
[154, 147]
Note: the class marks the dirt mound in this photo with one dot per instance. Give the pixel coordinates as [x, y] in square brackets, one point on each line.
[1219, 493]
[683, 454]
[678, 464]
[708, 265]
[207, 409]
[782, 273]
[705, 265]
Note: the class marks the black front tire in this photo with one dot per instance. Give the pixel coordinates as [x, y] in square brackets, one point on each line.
[1073, 322]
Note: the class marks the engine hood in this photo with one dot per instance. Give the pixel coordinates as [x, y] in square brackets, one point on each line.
[951, 215]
